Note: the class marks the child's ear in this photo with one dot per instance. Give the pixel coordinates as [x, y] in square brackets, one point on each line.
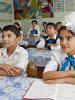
[20, 37]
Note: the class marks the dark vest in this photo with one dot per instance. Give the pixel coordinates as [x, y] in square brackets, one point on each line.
[50, 41]
[34, 31]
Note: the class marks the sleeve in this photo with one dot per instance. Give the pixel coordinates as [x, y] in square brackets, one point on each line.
[53, 63]
[23, 60]
[41, 43]
[58, 47]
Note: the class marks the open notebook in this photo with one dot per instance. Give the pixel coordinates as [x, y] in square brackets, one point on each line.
[41, 91]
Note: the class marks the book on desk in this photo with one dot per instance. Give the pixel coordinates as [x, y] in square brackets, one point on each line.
[41, 91]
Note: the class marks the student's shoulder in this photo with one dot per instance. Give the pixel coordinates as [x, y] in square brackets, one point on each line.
[22, 50]
[57, 53]
[37, 25]
[2, 49]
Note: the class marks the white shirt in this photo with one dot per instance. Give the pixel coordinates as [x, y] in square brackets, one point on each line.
[57, 58]
[42, 43]
[37, 28]
[19, 58]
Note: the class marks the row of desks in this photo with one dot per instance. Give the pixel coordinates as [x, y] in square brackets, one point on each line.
[39, 58]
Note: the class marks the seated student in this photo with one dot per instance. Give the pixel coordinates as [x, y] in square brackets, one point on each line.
[22, 42]
[58, 26]
[43, 33]
[13, 58]
[61, 67]
[34, 30]
[51, 41]
[18, 25]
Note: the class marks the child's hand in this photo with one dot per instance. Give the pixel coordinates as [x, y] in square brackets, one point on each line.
[11, 70]
[8, 69]
[62, 80]
[73, 73]
[18, 70]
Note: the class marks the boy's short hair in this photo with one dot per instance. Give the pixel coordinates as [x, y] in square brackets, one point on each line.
[44, 23]
[13, 29]
[51, 24]
[34, 21]
[58, 23]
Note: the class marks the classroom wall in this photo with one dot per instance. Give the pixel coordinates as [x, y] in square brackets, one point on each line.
[58, 16]
[6, 19]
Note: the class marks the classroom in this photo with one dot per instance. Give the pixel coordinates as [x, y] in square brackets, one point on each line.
[37, 50]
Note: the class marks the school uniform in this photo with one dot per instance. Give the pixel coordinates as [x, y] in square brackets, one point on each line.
[47, 40]
[19, 58]
[60, 61]
[34, 31]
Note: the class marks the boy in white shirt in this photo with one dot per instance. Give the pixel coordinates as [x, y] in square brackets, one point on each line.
[13, 58]
[61, 67]
[51, 41]
[34, 30]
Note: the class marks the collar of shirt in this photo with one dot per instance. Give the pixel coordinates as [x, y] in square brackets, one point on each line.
[4, 51]
[54, 37]
[67, 55]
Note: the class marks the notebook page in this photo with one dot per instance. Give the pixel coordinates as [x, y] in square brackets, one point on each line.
[65, 92]
[41, 90]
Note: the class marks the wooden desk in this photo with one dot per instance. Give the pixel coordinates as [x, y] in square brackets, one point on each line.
[31, 40]
[39, 57]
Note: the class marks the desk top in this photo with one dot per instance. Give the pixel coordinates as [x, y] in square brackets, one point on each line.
[32, 40]
[39, 57]
[13, 88]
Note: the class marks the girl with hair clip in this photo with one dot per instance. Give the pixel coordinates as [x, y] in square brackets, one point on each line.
[18, 25]
[61, 67]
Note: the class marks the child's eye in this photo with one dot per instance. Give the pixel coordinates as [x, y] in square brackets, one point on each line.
[9, 35]
[69, 37]
[61, 39]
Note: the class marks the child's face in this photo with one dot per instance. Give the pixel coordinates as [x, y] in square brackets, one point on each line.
[58, 26]
[34, 24]
[50, 30]
[44, 26]
[67, 41]
[9, 39]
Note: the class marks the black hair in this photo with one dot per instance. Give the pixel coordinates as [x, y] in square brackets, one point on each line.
[65, 28]
[13, 29]
[17, 25]
[34, 21]
[44, 23]
[58, 23]
[51, 24]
